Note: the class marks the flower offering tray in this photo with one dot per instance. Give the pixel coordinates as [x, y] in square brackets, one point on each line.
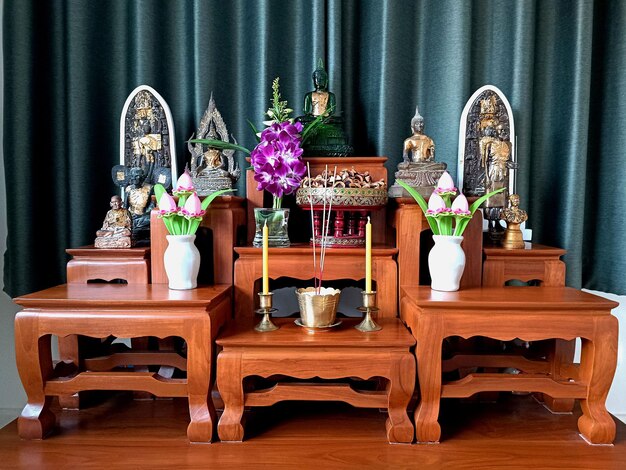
[351, 198]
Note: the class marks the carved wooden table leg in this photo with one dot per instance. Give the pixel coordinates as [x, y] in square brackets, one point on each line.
[199, 381]
[34, 363]
[429, 337]
[597, 366]
[230, 385]
[400, 390]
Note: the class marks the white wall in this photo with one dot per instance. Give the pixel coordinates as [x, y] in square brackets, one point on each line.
[11, 392]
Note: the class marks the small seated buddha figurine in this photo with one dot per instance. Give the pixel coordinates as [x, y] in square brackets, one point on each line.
[212, 168]
[513, 216]
[418, 168]
[329, 139]
[116, 228]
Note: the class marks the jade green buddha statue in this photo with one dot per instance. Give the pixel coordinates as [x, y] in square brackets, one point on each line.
[328, 139]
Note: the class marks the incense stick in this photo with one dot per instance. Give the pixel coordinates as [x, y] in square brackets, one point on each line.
[322, 238]
[308, 169]
[323, 252]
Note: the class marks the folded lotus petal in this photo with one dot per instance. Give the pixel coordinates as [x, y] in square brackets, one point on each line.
[460, 204]
[445, 183]
[193, 206]
[184, 182]
[167, 203]
[436, 202]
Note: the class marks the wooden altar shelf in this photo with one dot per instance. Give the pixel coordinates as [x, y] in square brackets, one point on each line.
[505, 313]
[127, 311]
[375, 166]
[297, 262]
[534, 262]
[107, 264]
[341, 353]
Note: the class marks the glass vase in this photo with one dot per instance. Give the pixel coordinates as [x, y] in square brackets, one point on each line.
[277, 224]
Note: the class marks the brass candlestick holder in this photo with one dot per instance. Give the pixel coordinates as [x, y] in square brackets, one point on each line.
[369, 306]
[265, 309]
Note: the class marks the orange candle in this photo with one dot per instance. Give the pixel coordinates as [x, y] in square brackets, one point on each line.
[266, 278]
[368, 256]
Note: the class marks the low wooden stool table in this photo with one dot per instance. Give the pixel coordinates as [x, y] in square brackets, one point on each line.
[127, 311]
[339, 353]
[505, 313]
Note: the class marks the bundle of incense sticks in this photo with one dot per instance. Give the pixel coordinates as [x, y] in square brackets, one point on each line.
[318, 274]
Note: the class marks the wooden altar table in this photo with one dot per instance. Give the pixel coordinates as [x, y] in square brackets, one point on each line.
[505, 313]
[127, 311]
[335, 354]
[296, 262]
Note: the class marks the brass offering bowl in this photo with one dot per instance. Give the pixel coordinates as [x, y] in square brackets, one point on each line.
[318, 310]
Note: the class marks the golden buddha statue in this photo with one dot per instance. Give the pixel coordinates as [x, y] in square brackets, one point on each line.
[418, 168]
[420, 146]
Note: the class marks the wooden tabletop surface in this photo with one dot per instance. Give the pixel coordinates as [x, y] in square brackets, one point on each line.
[530, 250]
[528, 298]
[122, 295]
[393, 334]
[297, 249]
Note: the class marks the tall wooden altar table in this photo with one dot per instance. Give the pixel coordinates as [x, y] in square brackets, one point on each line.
[297, 262]
[128, 311]
[505, 313]
[339, 353]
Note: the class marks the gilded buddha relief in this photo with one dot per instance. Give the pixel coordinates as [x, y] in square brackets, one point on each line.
[486, 152]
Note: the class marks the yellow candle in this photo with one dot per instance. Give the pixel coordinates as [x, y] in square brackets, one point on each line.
[266, 279]
[368, 256]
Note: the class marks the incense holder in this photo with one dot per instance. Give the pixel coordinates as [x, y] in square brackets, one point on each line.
[318, 310]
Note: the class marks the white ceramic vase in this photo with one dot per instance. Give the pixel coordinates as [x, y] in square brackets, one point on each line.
[182, 262]
[446, 262]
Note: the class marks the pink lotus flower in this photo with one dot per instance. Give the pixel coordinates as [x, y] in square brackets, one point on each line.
[184, 183]
[167, 205]
[460, 206]
[193, 207]
[445, 184]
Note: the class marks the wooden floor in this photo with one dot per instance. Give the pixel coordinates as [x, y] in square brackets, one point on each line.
[517, 432]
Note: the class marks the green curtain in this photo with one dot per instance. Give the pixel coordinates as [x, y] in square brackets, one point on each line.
[69, 66]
